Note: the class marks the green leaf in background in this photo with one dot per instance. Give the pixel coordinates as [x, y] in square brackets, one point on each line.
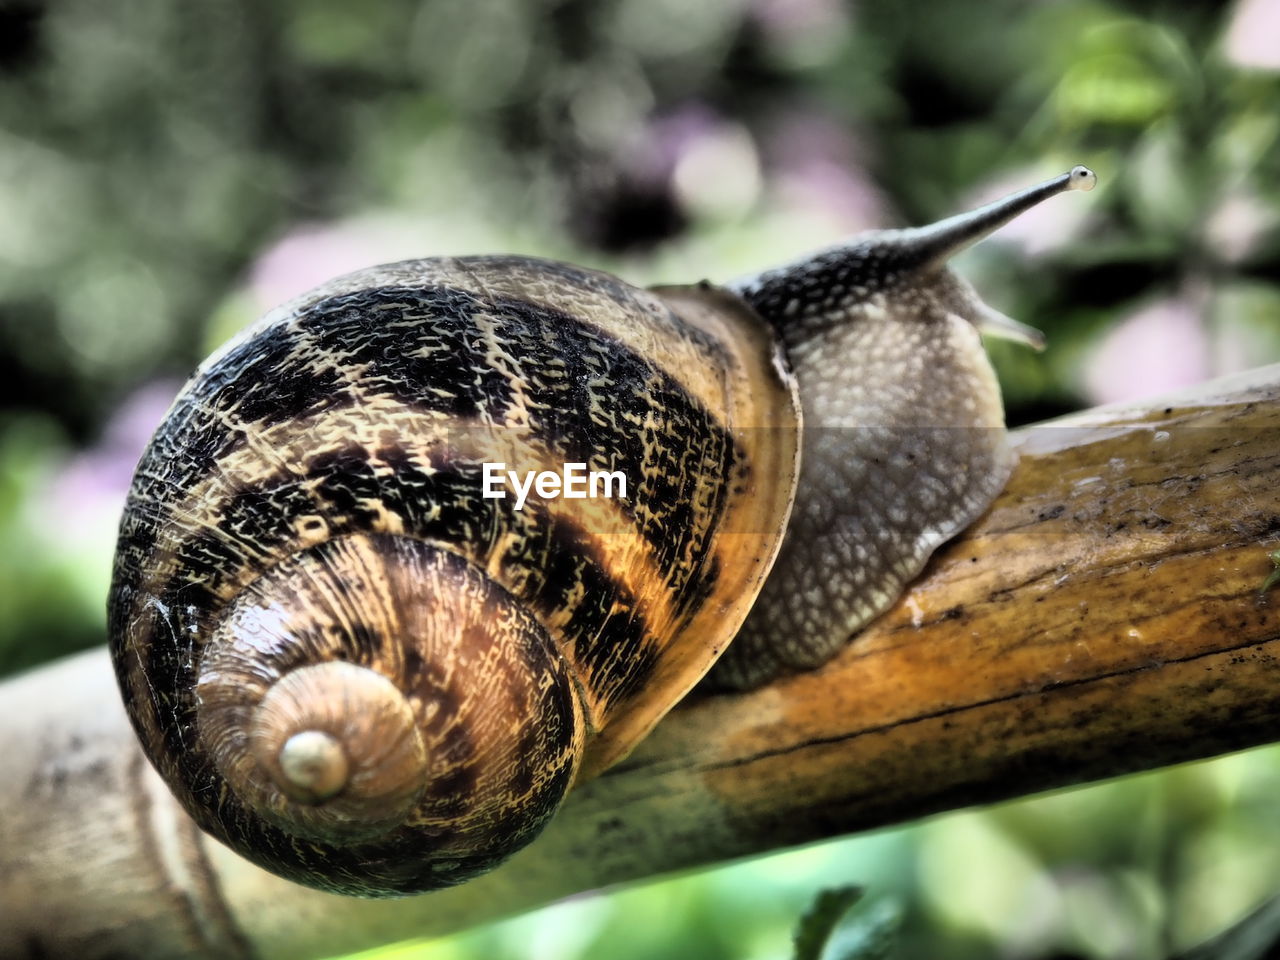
[818, 924]
[871, 934]
[1256, 937]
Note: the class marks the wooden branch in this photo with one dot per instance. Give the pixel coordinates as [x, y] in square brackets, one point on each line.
[1104, 617]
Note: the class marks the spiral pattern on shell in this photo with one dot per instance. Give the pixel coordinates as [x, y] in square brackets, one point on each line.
[364, 675]
[406, 652]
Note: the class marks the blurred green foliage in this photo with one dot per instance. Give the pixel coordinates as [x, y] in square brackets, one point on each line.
[169, 171]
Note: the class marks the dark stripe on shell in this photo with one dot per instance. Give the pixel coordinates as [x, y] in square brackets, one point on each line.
[587, 395]
[549, 564]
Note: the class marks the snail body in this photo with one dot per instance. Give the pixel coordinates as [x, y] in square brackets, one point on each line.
[361, 672]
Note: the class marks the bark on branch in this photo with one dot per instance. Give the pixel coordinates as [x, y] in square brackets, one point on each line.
[1103, 618]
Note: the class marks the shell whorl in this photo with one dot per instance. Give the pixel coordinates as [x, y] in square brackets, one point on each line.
[359, 693]
[341, 746]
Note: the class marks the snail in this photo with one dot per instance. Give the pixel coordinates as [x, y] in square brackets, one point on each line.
[364, 663]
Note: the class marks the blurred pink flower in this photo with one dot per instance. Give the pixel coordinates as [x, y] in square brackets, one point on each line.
[813, 162]
[1159, 347]
[810, 29]
[792, 14]
[310, 254]
[696, 157]
[1237, 224]
[670, 137]
[1253, 36]
[91, 487]
[819, 166]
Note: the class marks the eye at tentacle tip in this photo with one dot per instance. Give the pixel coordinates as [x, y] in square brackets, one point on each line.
[1081, 178]
[932, 246]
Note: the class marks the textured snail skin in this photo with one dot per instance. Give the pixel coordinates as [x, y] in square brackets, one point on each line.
[904, 441]
[904, 446]
[363, 675]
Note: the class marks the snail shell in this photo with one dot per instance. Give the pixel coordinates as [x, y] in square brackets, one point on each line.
[325, 633]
